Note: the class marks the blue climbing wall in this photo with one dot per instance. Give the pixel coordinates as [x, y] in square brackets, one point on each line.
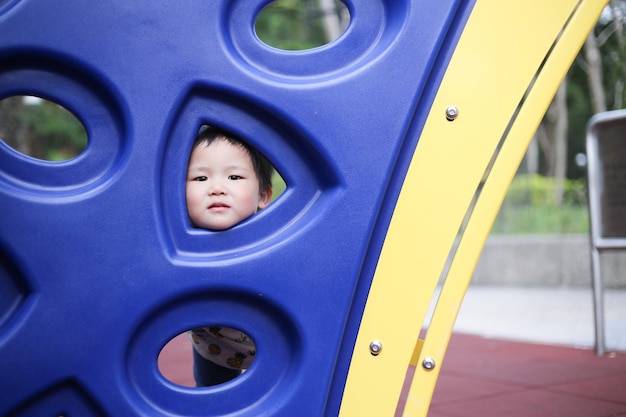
[99, 267]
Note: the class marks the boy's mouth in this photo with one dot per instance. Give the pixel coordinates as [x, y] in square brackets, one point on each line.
[218, 206]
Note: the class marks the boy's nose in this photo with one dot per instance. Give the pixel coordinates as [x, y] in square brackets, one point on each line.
[217, 189]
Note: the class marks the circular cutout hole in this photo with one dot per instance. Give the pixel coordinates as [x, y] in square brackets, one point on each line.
[41, 128]
[206, 356]
[295, 25]
[159, 362]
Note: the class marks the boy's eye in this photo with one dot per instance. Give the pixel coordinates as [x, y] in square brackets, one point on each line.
[235, 177]
[200, 178]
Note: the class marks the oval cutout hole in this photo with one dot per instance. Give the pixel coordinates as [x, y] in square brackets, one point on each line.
[41, 128]
[206, 356]
[295, 25]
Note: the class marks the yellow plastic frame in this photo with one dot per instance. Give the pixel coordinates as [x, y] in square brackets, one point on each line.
[501, 89]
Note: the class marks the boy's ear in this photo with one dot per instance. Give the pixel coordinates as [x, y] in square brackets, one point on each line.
[266, 197]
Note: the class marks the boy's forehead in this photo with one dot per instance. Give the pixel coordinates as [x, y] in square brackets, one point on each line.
[219, 150]
[222, 141]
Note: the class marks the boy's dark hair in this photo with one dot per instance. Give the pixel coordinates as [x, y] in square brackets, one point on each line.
[262, 167]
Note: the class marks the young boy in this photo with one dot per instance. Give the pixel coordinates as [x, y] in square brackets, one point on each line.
[227, 182]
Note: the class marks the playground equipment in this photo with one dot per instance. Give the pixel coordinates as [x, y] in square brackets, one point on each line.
[397, 142]
[607, 206]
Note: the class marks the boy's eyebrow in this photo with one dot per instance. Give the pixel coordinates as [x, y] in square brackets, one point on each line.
[238, 166]
[197, 167]
[204, 167]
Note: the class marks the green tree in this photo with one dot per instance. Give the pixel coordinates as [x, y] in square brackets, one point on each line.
[301, 24]
[41, 128]
[597, 78]
[594, 84]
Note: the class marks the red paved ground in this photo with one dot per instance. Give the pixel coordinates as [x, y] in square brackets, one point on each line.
[175, 361]
[487, 377]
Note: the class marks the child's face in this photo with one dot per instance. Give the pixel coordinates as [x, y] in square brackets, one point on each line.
[222, 186]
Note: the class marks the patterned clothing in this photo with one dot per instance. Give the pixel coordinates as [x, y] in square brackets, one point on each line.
[224, 346]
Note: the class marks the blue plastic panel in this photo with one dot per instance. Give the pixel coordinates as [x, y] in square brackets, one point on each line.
[99, 266]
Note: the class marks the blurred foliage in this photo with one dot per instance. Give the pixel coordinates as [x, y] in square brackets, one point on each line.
[568, 219]
[537, 190]
[530, 207]
[41, 128]
[63, 132]
[293, 25]
[278, 185]
[610, 32]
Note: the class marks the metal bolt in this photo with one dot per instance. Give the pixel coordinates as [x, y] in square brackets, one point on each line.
[452, 113]
[375, 347]
[428, 363]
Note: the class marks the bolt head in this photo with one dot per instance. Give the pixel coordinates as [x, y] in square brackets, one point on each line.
[452, 112]
[428, 363]
[376, 347]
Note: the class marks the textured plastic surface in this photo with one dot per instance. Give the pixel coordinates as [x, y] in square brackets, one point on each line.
[99, 266]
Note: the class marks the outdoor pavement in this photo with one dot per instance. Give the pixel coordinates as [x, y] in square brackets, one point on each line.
[515, 352]
[528, 352]
[548, 315]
